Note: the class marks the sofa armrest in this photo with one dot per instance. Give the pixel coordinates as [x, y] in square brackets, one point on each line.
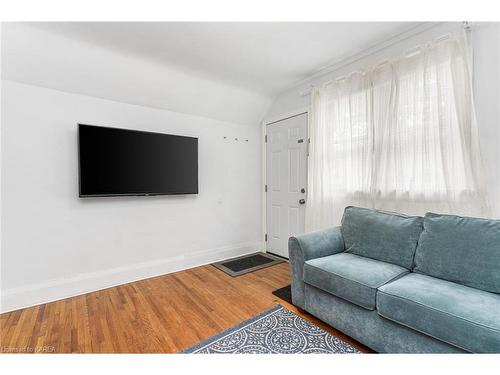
[310, 246]
[316, 244]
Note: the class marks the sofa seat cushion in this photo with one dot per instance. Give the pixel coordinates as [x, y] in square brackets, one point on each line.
[459, 315]
[351, 277]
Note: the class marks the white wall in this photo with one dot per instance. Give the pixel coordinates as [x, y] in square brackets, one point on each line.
[486, 44]
[486, 51]
[55, 244]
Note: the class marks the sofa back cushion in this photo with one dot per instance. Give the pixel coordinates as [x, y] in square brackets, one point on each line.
[384, 236]
[464, 250]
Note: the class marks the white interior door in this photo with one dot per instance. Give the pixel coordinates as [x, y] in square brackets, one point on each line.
[286, 178]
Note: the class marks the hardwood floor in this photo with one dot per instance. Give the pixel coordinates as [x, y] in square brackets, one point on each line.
[164, 314]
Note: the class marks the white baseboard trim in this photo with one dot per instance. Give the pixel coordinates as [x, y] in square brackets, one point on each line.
[49, 291]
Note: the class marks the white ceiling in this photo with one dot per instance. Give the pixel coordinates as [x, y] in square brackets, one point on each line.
[263, 57]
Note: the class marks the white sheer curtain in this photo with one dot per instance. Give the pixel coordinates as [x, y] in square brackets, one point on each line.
[401, 137]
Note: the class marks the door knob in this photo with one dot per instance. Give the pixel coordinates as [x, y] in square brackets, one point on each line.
[302, 201]
[302, 190]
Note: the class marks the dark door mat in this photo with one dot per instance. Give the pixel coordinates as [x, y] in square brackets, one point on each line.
[247, 263]
[284, 293]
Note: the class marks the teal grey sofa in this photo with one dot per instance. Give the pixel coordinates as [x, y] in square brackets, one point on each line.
[402, 284]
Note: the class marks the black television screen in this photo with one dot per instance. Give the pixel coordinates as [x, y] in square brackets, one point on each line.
[128, 162]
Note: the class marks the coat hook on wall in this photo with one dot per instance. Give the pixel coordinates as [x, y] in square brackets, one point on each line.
[236, 139]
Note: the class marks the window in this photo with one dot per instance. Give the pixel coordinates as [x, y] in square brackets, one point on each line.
[401, 136]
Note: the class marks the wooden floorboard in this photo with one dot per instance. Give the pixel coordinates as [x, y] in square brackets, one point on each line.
[164, 314]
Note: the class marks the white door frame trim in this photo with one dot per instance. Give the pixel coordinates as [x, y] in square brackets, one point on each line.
[264, 123]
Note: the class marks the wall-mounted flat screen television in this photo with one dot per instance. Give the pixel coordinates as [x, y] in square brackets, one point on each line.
[114, 162]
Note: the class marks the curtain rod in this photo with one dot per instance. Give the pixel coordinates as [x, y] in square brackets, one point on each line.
[373, 50]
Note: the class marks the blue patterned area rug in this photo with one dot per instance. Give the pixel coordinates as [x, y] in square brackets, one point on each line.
[278, 331]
